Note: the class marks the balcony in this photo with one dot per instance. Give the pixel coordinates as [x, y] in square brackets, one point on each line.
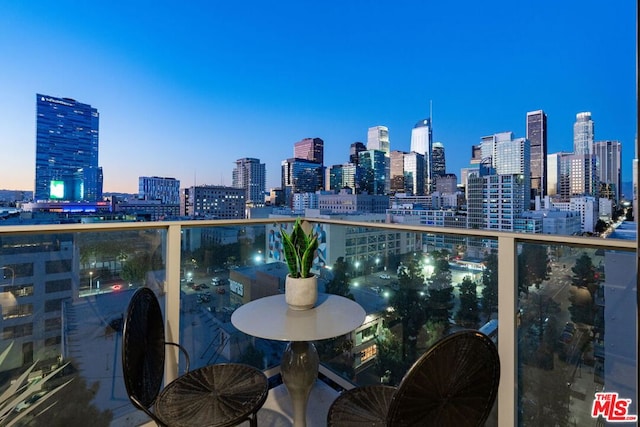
[563, 311]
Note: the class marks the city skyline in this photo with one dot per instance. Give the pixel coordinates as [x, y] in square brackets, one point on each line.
[224, 84]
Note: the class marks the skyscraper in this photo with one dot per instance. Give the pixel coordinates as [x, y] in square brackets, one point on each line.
[608, 154]
[300, 176]
[355, 149]
[396, 171]
[66, 151]
[578, 176]
[250, 174]
[341, 176]
[583, 134]
[439, 166]
[378, 139]
[374, 164]
[537, 136]
[414, 164]
[311, 149]
[422, 143]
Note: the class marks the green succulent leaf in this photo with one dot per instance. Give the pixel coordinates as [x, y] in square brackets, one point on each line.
[299, 249]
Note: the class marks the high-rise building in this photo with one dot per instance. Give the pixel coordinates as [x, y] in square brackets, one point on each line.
[447, 183]
[506, 154]
[414, 173]
[608, 154]
[250, 174]
[341, 176]
[578, 176]
[476, 154]
[422, 143]
[407, 173]
[439, 166]
[537, 136]
[166, 190]
[354, 151]
[583, 134]
[311, 149]
[300, 176]
[378, 139]
[66, 151]
[496, 202]
[217, 202]
[421, 137]
[373, 164]
[396, 171]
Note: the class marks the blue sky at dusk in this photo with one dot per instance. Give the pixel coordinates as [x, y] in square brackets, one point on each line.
[186, 88]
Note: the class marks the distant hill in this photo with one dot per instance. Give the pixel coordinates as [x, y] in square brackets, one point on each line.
[10, 196]
[121, 196]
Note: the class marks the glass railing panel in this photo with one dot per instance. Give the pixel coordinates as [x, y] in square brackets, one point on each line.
[63, 296]
[577, 334]
[415, 288]
[223, 267]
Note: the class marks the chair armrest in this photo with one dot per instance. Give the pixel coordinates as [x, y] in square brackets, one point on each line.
[182, 349]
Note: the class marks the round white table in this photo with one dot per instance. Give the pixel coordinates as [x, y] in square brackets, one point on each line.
[271, 318]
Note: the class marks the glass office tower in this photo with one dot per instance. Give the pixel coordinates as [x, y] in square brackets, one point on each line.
[537, 136]
[66, 151]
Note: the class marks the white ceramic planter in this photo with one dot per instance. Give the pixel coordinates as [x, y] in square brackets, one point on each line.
[301, 293]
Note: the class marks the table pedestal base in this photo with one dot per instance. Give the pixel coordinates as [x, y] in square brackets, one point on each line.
[299, 369]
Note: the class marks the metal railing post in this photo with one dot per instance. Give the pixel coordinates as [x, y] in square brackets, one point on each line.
[507, 332]
[172, 300]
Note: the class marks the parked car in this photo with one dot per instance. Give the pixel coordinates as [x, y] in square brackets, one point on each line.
[220, 290]
[385, 276]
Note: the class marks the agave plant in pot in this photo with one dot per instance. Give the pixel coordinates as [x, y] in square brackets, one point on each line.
[301, 286]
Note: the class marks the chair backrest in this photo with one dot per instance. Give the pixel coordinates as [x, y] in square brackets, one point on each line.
[143, 349]
[455, 383]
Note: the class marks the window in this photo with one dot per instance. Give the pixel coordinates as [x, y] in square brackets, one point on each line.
[58, 285]
[17, 331]
[53, 305]
[21, 310]
[53, 324]
[58, 266]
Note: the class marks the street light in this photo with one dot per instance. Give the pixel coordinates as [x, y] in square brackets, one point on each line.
[357, 265]
[91, 279]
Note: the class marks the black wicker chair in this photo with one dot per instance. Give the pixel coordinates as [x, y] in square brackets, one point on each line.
[454, 383]
[216, 395]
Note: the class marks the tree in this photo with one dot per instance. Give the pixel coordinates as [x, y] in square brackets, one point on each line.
[586, 281]
[490, 284]
[467, 315]
[434, 331]
[410, 306]
[440, 300]
[339, 285]
[585, 274]
[601, 226]
[137, 266]
[389, 362]
[533, 266]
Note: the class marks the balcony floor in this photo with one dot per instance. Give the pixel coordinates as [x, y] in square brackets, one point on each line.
[277, 409]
